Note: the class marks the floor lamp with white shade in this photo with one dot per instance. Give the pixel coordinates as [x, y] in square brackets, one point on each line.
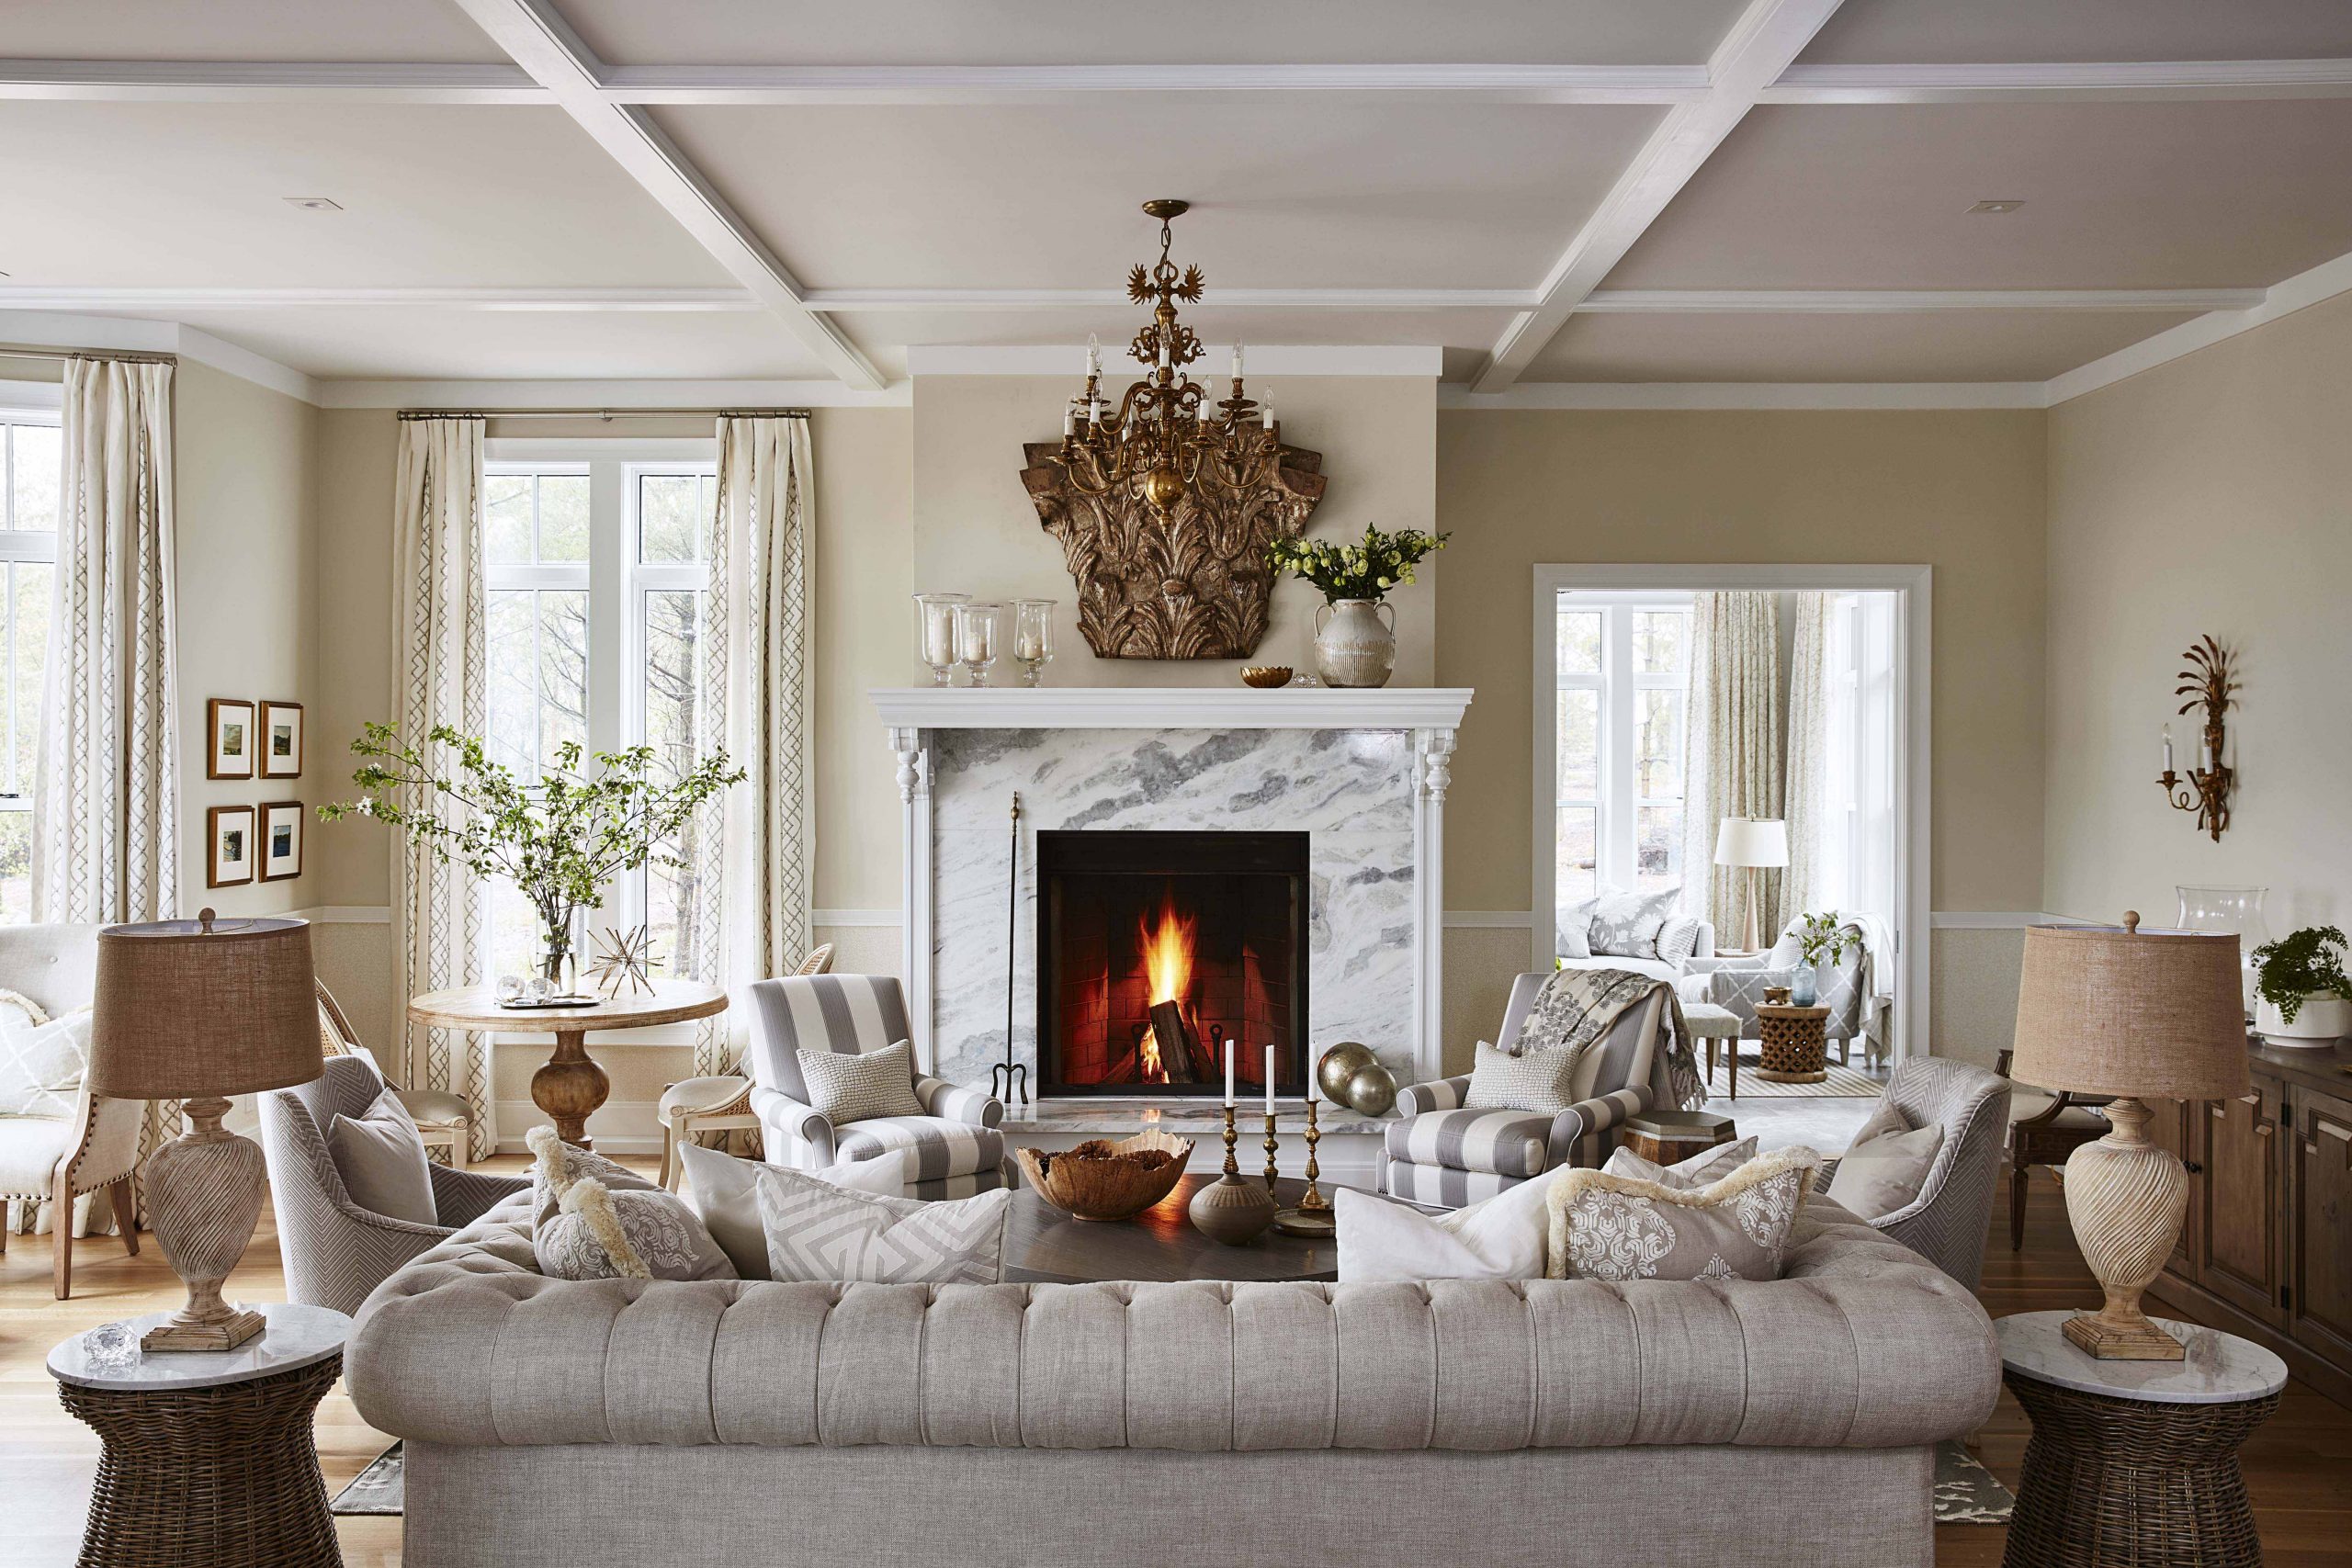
[1752, 844]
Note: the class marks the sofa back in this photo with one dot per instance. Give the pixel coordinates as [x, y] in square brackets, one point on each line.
[56, 965]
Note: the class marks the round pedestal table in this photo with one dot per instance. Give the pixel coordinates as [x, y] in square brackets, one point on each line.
[569, 1086]
[209, 1460]
[2134, 1462]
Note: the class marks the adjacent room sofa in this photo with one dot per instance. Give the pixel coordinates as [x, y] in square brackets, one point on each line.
[565, 1424]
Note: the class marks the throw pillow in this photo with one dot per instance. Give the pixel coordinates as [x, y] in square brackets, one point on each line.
[1678, 940]
[380, 1157]
[1625, 925]
[725, 1195]
[1500, 1238]
[556, 1165]
[1535, 1081]
[18, 1008]
[1887, 1165]
[42, 1065]
[634, 1233]
[1614, 1228]
[1699, 1169]
[1575, 935]
[817, 1231]
[844, 1087]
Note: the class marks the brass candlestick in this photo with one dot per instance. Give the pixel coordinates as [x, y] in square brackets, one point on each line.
[1271, 1145]
[1313, 1216]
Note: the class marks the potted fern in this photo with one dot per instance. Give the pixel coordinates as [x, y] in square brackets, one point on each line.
[2301, 989]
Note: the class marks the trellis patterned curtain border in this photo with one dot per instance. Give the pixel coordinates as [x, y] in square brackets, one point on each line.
[758, 700]
[442, 656]
[1733, 750]
[106, 825]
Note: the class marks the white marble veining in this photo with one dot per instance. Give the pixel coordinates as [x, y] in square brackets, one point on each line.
[2221, 1368]
[1352, 790]
[296, 1335]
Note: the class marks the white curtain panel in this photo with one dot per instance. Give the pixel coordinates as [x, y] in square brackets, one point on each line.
[441, 654]
[758, 689]
[105, 827]
[1733, 755]
[1807, 747]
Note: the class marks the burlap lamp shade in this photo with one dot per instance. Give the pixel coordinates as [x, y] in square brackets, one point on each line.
[2140, 1015]
[198, 1010]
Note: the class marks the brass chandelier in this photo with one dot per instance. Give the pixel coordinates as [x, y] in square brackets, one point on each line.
[1166, 435]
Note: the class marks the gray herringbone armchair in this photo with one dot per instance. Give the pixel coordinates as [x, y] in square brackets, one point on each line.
[1945, 1223]
[337, 1252]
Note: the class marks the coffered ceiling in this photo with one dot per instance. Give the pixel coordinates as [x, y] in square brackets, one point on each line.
[1547, 190]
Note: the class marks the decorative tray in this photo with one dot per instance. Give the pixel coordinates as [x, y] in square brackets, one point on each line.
[550, 1002]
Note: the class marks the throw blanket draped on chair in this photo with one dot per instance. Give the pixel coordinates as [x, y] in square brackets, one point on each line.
[1576, 1007]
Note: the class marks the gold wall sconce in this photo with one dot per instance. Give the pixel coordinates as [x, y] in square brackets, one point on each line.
[2207, 683]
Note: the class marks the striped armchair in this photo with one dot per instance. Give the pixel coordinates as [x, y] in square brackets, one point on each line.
[954, 1150]
[1445, 1154]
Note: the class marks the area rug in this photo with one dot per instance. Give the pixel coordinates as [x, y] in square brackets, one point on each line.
[1966, 1493]
[380, 1488]
[1843, 1083]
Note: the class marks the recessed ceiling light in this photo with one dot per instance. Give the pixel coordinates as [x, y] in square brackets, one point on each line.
[2000, 204]
[314, 203]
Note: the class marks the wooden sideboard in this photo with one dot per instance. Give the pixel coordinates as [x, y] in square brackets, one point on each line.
[2268, 1249]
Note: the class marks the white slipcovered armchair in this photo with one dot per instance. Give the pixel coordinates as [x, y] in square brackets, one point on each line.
[1737, 984]
[56, 1159]
[954, 1150]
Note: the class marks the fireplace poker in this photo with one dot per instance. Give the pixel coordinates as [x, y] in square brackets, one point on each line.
[1012, 1073]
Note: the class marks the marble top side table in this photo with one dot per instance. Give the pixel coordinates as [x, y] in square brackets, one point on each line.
[2134, 1462]
[209, 1459]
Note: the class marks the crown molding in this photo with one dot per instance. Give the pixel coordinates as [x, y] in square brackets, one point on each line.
[1454, 397]
[2323, 282]
[239, 81]
[2131, 80]
[619, 397]
[68, 333]
[40, 297]
[1903, 301]
[1264, 360]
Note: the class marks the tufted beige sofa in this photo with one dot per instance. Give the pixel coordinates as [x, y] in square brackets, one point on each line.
[552, 1423]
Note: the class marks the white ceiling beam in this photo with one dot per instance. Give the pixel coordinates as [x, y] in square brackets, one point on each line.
[543, 44]
[268, 82]
[843, 301]
[2284, 298]
[1903, 301]
[2133, 81]
[1761, 44]
[1683, 396]
[969, 84]
[598, 301]
[617, 396]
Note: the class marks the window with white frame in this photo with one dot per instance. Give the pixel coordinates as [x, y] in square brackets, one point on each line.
[31, 454]
[596, 582]
[1859, 806]
[1620, 675]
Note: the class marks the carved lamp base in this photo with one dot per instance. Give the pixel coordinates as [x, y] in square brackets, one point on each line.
[204, 1188]
[2126, 1198]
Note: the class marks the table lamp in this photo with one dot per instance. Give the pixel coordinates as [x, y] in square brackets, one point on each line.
[198, 1010]
[2140, 1015]
[1752, 843]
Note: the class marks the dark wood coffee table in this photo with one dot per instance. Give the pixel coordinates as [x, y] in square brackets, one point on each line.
[1045, 1245]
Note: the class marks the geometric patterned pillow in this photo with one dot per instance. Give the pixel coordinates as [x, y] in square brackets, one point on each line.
[42, 1065]
[1538, 1080]
[844, 1088]
[1614, 1228]
[819, 1231]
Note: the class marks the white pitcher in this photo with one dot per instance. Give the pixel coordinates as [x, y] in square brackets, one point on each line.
[1355, 647]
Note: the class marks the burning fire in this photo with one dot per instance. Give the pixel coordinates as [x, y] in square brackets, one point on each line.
[1167, 963]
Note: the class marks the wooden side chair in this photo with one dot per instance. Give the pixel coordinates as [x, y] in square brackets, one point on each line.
[2044, 1128]
[721, 1103]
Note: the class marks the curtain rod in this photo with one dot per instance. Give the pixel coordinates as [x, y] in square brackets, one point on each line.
[11, 351]
[605, 414]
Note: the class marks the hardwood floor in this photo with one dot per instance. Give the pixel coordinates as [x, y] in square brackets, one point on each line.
[2295, 1465]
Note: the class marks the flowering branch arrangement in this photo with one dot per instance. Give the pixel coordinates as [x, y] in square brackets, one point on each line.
[1365, 570]
[1824, 938]
[560, 840]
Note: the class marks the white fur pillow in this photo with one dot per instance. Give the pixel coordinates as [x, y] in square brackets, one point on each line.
[1615, 1228]
[587, 1228]
[1500, 1238]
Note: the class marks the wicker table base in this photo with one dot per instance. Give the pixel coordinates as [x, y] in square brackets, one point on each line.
[221, 1477]
[2132, 1482]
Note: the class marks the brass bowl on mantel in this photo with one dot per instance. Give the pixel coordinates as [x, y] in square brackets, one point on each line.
[1266, 677]
[1101, 1181]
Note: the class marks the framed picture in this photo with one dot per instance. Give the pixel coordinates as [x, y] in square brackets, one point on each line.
[229, 829]
[281, 839]
[229, 737]
[282, 741]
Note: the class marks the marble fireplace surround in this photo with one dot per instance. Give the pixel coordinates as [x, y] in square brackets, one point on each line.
[1365, 773]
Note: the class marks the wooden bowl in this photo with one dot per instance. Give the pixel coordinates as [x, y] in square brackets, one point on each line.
[1265, 677]
[1102, 1180]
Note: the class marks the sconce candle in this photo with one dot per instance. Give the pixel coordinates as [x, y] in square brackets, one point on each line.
[2206, 683]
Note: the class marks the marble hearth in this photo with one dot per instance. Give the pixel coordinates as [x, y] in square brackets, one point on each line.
[1362, 773]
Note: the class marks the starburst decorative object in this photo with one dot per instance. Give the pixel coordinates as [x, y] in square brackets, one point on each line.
[622, 956]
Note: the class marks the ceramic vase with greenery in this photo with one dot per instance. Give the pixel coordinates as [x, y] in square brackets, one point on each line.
[2303, 998]
[560, 840]
[1821, 938]
[1355, 646]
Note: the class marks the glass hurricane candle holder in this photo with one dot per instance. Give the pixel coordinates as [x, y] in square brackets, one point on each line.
[935, 632]
[1033, 637]
[979, 637]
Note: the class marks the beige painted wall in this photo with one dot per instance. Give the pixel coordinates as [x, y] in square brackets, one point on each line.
[976, 533]
[2209, 495]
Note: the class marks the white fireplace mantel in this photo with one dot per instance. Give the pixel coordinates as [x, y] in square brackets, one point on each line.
[1427, 716]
